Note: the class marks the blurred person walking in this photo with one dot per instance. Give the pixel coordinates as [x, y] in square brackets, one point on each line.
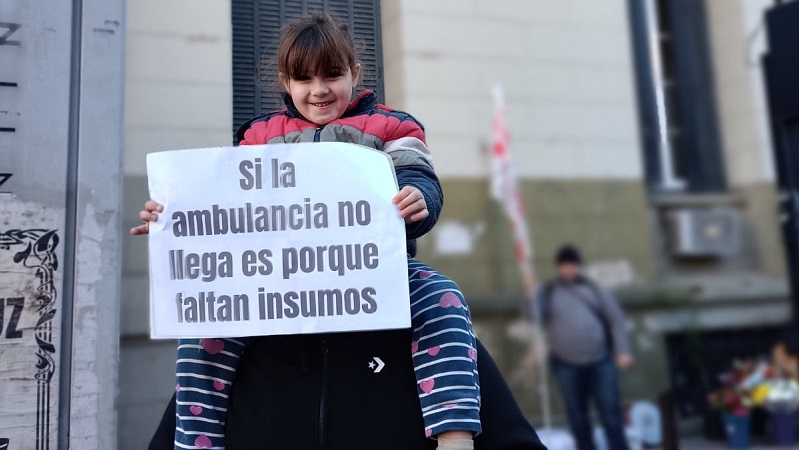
[588, 343]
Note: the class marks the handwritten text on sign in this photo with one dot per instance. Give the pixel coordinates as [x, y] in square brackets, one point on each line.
[276, 239]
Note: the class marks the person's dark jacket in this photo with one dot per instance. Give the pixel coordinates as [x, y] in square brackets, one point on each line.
[319, 392]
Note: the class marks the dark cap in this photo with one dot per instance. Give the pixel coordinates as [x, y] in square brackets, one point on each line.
[568, 254]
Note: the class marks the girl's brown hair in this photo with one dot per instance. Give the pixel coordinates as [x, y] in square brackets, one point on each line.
[314, 44]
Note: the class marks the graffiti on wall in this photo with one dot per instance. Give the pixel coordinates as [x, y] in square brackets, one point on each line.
[3, 178]
[26, 316]
[29, 284]
[8, 29]
[7, 38]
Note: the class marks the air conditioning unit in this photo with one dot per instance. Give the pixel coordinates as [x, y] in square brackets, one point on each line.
[703, 232]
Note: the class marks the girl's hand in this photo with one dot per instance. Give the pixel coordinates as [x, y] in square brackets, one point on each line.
[411, 203]
[147, 215]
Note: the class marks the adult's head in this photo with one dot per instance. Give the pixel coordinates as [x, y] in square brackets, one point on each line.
[568, 262]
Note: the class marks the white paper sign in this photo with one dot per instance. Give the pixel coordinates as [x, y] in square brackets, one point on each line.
[275, 239]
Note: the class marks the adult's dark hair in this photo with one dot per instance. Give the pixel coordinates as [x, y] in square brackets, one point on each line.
[568, 254]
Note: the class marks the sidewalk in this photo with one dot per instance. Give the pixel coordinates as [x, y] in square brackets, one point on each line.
[698, 443]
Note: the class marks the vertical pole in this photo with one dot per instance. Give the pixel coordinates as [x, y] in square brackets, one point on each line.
[668, 177]
[94, 203]
[543, 375]
[70, 208]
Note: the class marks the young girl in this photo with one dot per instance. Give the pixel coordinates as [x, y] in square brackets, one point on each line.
[319, 70]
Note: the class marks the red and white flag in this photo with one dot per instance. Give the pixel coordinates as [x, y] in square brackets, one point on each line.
[505, 189]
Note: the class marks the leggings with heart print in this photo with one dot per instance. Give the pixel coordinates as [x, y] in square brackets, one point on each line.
[444, 359]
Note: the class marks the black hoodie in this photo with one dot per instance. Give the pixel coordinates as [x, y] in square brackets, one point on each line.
[318, 392]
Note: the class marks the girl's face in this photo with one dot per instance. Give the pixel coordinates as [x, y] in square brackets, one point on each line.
[323, 97]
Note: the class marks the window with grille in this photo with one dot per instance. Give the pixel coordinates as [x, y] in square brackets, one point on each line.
[256, 31]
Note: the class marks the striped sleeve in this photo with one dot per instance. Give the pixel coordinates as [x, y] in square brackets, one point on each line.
[405, 143]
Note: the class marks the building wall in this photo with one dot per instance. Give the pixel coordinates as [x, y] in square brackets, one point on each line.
[738, 41]
[566, 71]
[35, 70]
[60, 154]
[178, 95]
[567, 75]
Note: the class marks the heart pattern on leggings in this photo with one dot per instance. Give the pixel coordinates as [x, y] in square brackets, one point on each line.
[212, 346]
[450, 300]
[202, 441]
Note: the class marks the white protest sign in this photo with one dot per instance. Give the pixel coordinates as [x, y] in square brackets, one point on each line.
[275, 239]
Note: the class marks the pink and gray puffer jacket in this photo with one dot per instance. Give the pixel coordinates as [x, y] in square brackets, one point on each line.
[370, 124]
